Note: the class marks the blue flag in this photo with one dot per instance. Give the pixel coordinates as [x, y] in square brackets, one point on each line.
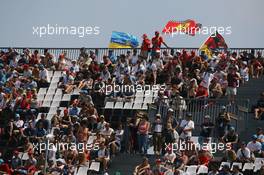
[123, 40]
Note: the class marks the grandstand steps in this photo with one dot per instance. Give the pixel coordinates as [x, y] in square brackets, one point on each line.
[124, 163]
[251, 90]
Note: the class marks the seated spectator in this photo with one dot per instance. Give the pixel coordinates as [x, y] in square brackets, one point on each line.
[255, 146]
[142, 168]
[244, 154]
[259, 108]
[103, 155]
[231, 137]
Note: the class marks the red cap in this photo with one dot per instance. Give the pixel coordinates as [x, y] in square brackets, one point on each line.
[144, 35]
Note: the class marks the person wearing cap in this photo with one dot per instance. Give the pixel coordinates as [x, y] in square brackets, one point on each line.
[101, 124]
[171, 119]
[243, 153]
[56, 119]
[156, 41]
[19, 123]
[225, 170]
[186, 127]
[157, 128]
[145, 46]
[206, 129]
[255, 146]
[222, 122]
[231, 137]
[244, 72]
[43, 76]
[16, 161]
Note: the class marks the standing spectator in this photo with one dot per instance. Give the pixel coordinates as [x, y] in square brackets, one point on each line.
[157, 40]
[145, 47]
[157, 134]
[186, 127]
[232, 79]
[206, 129]
[143, 129]
[222, 122]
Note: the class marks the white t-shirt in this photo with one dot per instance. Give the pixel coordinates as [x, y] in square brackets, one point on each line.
[186, 125]
[43, 75]
[246, 153]
[254, 146]
[207, 78]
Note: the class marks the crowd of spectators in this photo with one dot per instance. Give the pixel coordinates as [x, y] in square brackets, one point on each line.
[185, 75]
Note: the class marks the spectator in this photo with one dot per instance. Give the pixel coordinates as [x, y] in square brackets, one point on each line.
[244, 154]
[186, 127]
[157, 134]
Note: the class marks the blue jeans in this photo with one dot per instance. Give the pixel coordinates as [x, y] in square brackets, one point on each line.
[143, 143]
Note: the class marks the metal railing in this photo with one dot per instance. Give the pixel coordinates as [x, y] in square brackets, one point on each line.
[239, 111]
[73, 53]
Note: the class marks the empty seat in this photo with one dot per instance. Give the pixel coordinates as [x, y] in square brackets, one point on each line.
[55, 104]
[66, 97]
[46, 103]
[119, 105]
[57, 97]
[128, 105]
[51, 91]
[248, 166]
[191, 170]
[95, 166]
[57, 74]
[148, 100]
[202, 169]
[42, 91]
[82, 170]
[139, 94]
[145, 106]
[138, 100]
[48, 97]
[137, 106]
[109, 105]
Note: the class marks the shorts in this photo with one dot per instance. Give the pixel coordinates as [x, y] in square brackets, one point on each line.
[231, 90]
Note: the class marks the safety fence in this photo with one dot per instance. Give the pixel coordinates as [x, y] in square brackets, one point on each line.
[73, 53]
[239, 111]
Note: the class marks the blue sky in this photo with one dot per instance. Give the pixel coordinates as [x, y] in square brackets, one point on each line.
[133, 16]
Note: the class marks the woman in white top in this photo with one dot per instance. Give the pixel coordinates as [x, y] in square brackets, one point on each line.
[244, 72]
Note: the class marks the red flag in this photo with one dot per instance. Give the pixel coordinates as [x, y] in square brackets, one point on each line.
[188, 26]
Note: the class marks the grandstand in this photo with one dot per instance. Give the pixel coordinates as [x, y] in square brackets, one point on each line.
[118, 110]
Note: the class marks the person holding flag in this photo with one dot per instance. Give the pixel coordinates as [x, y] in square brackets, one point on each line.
[157, 40]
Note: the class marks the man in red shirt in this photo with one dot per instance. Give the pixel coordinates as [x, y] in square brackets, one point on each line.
[145, 46]
[232, 79]
[157, 40]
